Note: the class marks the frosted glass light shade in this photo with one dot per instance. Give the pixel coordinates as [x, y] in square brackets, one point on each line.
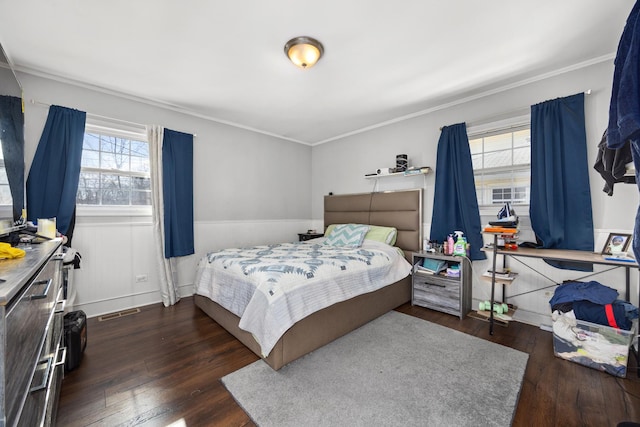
[304, 51]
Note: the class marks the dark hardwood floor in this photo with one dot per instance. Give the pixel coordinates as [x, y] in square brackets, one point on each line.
[162, 367]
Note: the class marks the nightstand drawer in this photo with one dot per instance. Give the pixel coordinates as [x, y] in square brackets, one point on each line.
[447, 296]
[436, 279]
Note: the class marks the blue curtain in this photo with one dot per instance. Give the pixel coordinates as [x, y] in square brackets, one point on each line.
[52, 183]
[455, 204]
[560, 207]
[177, 187]
[12, 135]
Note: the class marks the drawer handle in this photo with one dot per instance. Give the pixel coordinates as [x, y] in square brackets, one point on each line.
[55, 365]
[46, 289]
[45, 378]
[63, 305]
[434, 284]
[52, 362]
[64, 356]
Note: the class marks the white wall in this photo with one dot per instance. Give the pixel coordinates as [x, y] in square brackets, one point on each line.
[8, 84]
[340, 166]
[249, 188]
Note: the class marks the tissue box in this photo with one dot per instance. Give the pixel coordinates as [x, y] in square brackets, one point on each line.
[596, 346]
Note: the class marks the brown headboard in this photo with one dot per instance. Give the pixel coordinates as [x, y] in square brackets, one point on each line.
[399, 209]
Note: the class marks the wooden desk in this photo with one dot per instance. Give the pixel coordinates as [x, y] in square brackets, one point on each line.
[557, 255]
[564, 255]
[572, 256]
[560, 255]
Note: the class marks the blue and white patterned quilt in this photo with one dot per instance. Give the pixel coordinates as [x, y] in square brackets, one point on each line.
[272, 287]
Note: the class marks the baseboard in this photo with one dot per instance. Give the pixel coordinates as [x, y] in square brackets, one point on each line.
[125, 302]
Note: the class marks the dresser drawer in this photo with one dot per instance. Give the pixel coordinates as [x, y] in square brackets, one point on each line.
[42, 395]
[28, 322]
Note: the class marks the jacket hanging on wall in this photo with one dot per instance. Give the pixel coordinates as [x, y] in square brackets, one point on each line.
[611, 164]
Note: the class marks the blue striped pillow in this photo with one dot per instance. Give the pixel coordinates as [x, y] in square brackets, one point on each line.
[347, 235]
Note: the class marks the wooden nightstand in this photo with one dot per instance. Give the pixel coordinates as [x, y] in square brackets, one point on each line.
[440, 292]
[307, 236]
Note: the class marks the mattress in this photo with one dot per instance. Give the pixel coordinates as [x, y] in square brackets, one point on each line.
[272, 287]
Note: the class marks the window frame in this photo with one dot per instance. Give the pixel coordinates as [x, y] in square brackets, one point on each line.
[512, 124]
[118, 129]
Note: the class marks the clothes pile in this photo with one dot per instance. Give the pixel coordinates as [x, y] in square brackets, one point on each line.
[592, 327]
[594, 302]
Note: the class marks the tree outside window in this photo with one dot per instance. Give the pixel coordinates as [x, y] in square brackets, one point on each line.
[115, 171]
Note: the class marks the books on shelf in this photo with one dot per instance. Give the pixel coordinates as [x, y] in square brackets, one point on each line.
[418, 171]
[392, 172]
[504, 275]
[431, 266]
[500, 230]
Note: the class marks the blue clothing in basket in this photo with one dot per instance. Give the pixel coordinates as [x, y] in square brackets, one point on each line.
[596, 313]
[583, 291]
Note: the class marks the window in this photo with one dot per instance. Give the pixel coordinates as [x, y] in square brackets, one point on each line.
[502, 166]
[115, 168]
[514, 195]
[5, 191]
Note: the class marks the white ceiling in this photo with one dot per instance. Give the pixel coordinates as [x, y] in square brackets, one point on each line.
[383, 61]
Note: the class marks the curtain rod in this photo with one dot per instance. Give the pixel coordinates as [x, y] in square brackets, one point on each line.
[98, 116]
[586, 92]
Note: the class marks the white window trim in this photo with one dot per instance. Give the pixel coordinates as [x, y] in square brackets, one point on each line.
[119, 129]
[94, 211]
[497, 127]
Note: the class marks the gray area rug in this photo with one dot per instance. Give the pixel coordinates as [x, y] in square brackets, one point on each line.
[395, 370]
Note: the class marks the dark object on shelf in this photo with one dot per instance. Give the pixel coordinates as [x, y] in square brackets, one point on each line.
[308, 236]
[507, 224]
[75, 338]
[506, 217]
[401, 163]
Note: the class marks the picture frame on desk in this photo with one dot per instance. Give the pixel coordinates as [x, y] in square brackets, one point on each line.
[616, 244]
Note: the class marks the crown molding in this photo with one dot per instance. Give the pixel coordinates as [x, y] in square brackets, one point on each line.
[149, 101]
[475, 97]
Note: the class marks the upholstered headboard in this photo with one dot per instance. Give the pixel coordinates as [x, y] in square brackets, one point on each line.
[399, 209]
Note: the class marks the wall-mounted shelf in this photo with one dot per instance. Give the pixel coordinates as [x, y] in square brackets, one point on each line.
[413, 172]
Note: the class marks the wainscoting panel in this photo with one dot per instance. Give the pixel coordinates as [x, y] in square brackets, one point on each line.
[119, 270]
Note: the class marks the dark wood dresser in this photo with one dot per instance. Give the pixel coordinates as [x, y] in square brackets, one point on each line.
[31, 330]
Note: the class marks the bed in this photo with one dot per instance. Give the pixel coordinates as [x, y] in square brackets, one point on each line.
[399, 209]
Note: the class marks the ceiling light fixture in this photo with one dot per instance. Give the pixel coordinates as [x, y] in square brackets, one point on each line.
[304, 51]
